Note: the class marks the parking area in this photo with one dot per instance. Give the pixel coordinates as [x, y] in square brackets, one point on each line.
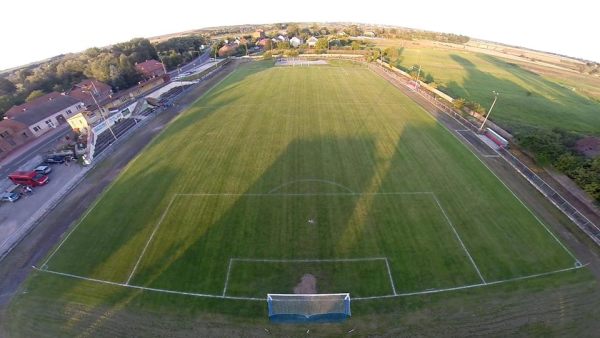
[16, 218]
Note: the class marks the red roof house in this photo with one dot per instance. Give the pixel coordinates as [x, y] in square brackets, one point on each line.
[150, 68]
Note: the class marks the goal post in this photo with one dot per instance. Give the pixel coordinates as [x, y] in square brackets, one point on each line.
[309, 307]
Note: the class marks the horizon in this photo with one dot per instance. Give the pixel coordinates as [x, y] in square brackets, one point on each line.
[109, 26]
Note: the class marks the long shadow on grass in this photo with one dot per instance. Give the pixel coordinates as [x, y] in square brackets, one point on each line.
[547, 105]
[266, 226]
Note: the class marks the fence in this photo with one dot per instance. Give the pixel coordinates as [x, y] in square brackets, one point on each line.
[589, 228]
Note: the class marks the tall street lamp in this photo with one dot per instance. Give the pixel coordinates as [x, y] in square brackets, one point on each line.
[490, 111]
[100, 109]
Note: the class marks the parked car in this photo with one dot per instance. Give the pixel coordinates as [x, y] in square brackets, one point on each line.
[28, 178]
[43, 169]
[9, 197]
[55, 159]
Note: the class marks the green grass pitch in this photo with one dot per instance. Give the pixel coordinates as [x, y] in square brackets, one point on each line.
[317, 163]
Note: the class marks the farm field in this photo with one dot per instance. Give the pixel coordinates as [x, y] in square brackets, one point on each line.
[540, 98]
[279, 172]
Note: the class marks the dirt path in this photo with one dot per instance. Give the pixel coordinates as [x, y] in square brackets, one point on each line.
[17, 265]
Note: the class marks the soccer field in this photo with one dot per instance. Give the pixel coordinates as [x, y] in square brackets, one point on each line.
[279, 172]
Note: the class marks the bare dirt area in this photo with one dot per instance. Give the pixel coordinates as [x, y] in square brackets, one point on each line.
[307, 285]
[49, 231]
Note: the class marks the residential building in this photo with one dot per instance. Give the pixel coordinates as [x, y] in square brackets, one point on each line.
[259, 34]
[12, 135]
[312, 41]
[295, 42]
[150, 69]
[46, 112]
[228, 50]
[83, 92]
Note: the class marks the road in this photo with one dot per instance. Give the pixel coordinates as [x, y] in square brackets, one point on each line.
[197, 61]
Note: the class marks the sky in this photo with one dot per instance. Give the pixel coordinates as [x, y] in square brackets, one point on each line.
[32, 30]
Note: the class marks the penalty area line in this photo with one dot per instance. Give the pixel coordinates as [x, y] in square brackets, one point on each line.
[437, 201]
[162, 217]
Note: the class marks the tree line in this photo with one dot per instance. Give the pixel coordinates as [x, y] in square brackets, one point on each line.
[113, 65]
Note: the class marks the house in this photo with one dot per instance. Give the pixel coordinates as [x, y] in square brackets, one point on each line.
[150, 69]
[295, 42]
[369, 34]
[12, 135]
[84, 90]
[46, 112]
[259, 34]
[228, 50]
[312, 41]
[282, 38]
[263, 42]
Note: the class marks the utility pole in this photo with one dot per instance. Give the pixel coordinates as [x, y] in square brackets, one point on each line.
[100, 110]
[490, 111]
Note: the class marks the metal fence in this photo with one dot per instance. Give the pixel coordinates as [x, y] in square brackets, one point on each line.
[587, 226]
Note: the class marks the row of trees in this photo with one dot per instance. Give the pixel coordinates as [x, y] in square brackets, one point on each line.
[180, 50]
[114, 65]
[556, 147]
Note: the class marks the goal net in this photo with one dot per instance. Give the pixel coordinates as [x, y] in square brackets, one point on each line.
[308, 307]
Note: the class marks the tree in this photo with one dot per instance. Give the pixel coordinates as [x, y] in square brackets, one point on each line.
[293, 30]
[283, 45]
[6, 102]
[355, 45]
[458, 103]
[34, 95]
[7, 87]
[321, 44]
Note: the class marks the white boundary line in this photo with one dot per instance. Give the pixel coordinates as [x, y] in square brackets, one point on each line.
[162, 217]
[194, 294]
[311, 180]
[227, 277]
[308, 260]
[458, 237]
[471, 286]
[45, 264]
[389, 271]
[308, 194]
[493, 173]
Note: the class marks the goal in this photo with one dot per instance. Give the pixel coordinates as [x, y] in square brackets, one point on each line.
[309, 307]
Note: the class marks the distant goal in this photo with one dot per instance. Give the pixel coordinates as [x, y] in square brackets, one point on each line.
[309, 307]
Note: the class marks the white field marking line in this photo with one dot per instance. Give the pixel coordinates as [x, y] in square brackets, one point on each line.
[308, 260]
[254, 105]
[311, 180]
[227, 277]
[45, 264]
[307, 194]
[437, 201]
[389, 271]
[162, 217]
[498, 178]
[471, 286]
[194, 294]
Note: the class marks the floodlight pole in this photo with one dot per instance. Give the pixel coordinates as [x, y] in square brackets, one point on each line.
[489, 112]
[100, 110]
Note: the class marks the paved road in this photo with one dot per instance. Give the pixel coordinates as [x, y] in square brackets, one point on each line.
[197, 61]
